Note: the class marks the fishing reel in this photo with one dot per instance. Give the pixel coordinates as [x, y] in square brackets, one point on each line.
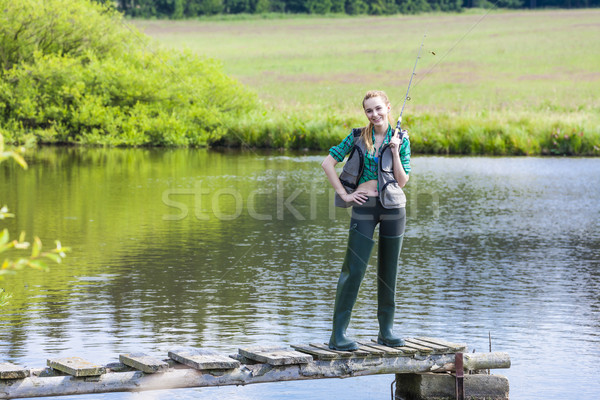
[402, 133]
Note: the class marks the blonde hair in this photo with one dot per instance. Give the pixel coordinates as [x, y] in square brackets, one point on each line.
[366, 135]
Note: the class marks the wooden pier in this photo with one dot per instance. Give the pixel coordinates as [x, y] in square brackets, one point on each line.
[192, 367]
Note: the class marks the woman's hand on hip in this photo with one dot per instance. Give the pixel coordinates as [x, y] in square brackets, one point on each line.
[358, 197]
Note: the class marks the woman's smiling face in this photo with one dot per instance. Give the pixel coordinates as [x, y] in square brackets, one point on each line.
[377, 111]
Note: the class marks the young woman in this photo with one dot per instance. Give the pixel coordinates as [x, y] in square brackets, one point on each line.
[371, 183]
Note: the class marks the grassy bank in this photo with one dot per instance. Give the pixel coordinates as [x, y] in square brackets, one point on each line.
[514, 82]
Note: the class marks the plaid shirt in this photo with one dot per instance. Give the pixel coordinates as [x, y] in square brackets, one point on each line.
[340, 151]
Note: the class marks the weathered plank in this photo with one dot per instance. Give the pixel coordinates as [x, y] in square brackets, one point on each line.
[144, 362]
[202, 359]
[12, 371]
[343, 354]
[318, 353]
[387, 351]
[437, 348]
[371, 350]
[275, 355]
[405, 349]
[454, 347]
[76, 366]
[418, 347]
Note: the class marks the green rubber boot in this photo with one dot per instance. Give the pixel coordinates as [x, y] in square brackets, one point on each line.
[353, 271]
[387, 271]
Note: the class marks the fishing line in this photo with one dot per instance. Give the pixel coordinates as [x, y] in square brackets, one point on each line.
[140, 38]
[151, 50]
[398, 129]
[494, 6]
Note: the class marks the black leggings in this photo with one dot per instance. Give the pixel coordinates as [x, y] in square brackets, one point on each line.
[367, 215]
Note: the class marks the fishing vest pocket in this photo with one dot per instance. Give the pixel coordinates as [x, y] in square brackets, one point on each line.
[350, 175]
[391, 194]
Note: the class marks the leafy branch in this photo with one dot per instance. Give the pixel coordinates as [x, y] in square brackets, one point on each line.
[37, 259]
[15, 155]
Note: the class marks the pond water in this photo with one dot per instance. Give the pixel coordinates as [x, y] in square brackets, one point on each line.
[226, 249]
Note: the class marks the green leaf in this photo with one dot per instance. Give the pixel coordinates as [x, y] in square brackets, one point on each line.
[37, 264]
[6, 272]
[54, 257]
[4, 237]
[37, 247]
[19, 264]
[4, 297]
[60, 249]
[20, 160]
[4, 213]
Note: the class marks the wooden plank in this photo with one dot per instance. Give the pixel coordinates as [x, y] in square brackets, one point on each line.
[371, 350]
[343, 354]
[387, 351]
[144, 362]
[418, 348]
[12, 371]
[405, 349]
[76, 366]
[275, 355]
[438, 349]
[452, 346]
[318, 353]
[202, 359]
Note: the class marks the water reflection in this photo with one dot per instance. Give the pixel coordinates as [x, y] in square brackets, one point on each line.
[222, 249]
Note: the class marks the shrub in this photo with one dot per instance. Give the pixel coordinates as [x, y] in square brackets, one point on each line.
[73, 72]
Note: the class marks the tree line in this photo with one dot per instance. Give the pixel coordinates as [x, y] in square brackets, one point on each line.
[178, 9]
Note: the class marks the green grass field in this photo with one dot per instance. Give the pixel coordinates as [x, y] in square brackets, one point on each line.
[518, 73]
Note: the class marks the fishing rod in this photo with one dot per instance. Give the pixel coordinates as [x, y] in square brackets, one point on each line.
[398, 129]
[398, 125]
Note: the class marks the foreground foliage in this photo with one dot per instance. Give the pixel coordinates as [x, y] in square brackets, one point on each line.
[37, 259]
[73, 72]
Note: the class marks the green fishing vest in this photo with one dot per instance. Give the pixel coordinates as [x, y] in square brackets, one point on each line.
[391, 194]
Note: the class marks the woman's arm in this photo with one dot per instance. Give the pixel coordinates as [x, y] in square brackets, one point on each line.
[358, 196]
[399, 174]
